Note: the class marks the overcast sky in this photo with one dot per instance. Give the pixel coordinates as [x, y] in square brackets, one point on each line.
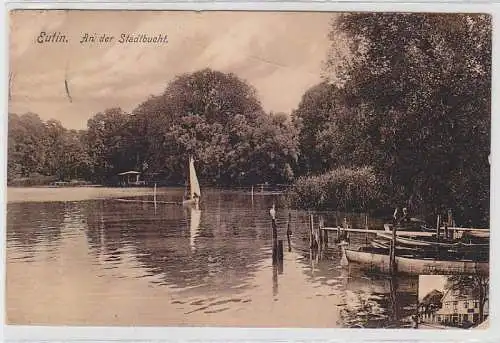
[281, 54]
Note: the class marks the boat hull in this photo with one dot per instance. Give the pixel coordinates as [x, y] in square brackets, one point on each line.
[190, 202]
[415, 266]
[422, 243]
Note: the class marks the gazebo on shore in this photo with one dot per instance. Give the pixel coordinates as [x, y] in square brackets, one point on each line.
[130, 178]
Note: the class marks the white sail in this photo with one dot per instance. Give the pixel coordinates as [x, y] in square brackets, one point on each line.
[193, 180]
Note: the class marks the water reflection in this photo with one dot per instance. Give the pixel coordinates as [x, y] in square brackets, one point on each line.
[131, 263]
[194, 226]
[379, 301]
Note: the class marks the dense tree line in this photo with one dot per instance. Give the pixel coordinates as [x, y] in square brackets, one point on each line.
[413, 102]
[408, 105]
[44, 151]
[212, 116]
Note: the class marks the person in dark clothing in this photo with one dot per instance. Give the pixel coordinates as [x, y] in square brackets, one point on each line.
[401, 217]
[405, 217]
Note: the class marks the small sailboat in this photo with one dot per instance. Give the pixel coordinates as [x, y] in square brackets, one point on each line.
[194, 186]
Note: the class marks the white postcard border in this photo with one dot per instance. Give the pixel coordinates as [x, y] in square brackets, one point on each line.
[66, 334]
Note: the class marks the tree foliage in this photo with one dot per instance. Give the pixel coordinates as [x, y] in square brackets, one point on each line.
[212, 116]
[37, 149]
[414, 103]
[216, 118]
[107, 143]
[432, 301]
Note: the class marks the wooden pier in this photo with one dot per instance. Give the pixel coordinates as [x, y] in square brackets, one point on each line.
[390, 261]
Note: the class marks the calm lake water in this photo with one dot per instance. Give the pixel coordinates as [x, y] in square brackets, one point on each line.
[93, 260]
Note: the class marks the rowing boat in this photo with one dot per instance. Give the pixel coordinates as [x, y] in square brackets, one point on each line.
[415, 266]
[428, 243]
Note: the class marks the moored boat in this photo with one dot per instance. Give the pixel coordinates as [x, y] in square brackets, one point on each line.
[433, 242]
[378, 259]
[413, 224]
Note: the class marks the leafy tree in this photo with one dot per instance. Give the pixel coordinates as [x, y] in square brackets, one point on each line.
[318, 109]
[216, 118]
[26, 151]
[54, 143]
[214, 95]
[44, 151]
[432, 301]
[273, 151]
[331, 130]
[107, 142]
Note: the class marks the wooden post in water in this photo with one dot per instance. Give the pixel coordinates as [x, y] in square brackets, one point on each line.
[154, 196]
[438, 235]
[392, 252]
[311, 227]
[343, 260]
[450, 218]
[343, 236]
[321, 231]
[280, 251]
[449, 223]
[289, 231]
[275, 241]
[338, 228]
[438, 227]
[275, 230]
[366, 228]
[324, 232]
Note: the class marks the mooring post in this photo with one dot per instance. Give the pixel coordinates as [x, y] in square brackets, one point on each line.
[154, 194]
[392, 252]
[344, 262]
[320, 230]
[289, 231]
[323, 232]
[438, 235]
[275, 279]
[311, 227]
[280, 250]
[275, 230]
[344, 234]
[366, 228]
[275, 239]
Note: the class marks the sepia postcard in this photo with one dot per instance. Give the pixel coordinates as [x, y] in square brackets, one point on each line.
[248, 169]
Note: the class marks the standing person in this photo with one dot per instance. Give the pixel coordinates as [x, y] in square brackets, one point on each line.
[405, 217]
[395, 216]
[401, 217]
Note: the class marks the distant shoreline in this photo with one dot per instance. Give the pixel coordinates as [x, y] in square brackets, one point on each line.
[63, 194]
